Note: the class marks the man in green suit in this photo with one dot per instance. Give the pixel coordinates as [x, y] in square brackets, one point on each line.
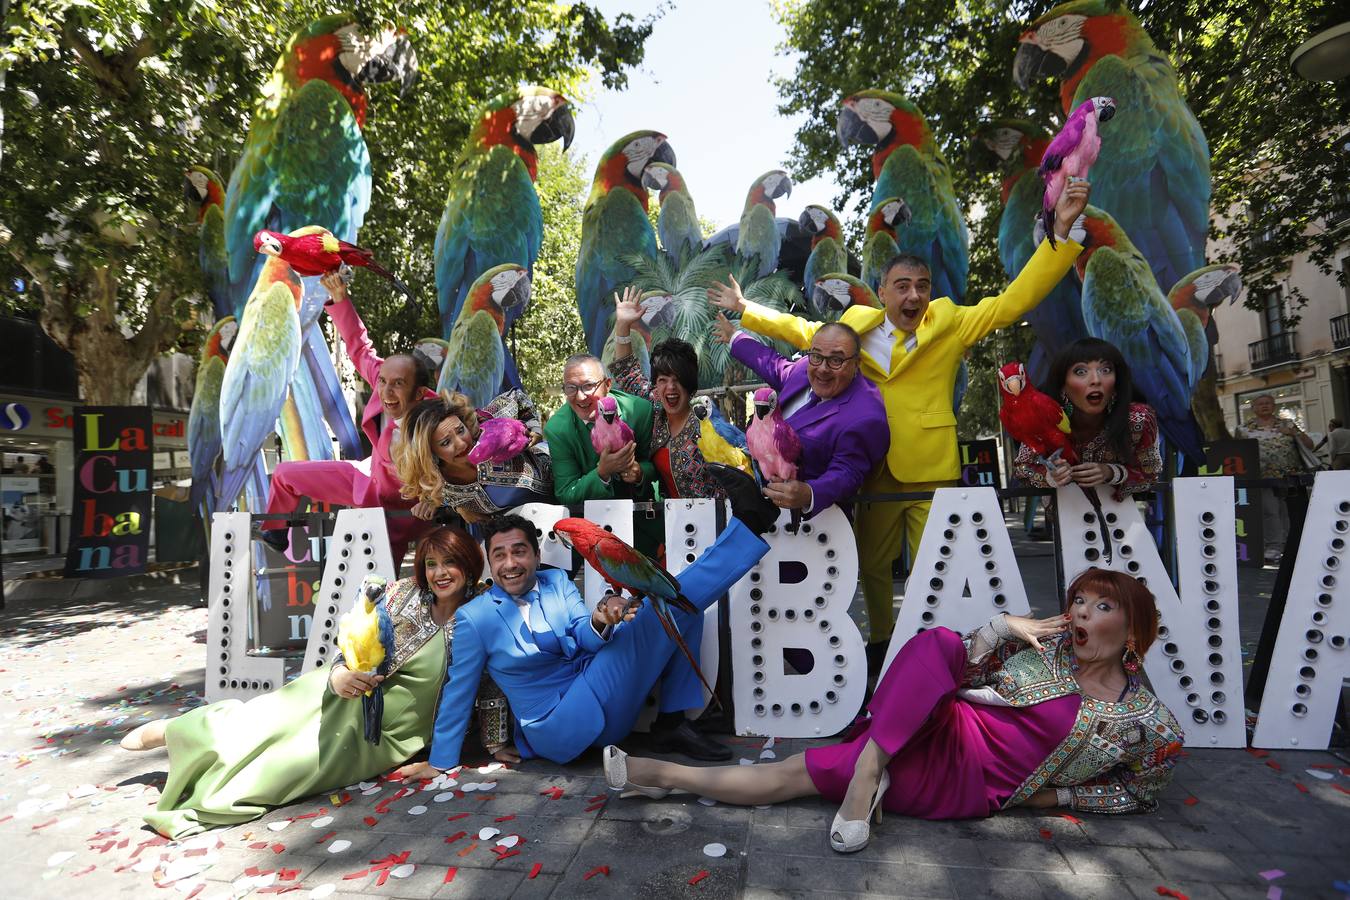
[581, 474]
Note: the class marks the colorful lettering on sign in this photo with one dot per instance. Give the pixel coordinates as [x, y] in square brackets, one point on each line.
[57, 418]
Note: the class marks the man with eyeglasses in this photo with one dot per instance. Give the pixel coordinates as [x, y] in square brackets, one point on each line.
[839, 418]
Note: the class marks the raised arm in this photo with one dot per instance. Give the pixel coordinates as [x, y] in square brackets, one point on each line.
[351, 329]
[1132, 786]
[990, 645]
[761, 319]
[856, 453]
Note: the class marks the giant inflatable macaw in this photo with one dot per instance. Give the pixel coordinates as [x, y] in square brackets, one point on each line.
[759, 240]
[475, 361]
[305, 163]
[827, 246]
[1123, 305]
[677, 224]
[1058, 319]
[907, 164]
[203, 431]
[613, 225]
[492, 215]
[205, 194]
[1194, 298]
[880, 244]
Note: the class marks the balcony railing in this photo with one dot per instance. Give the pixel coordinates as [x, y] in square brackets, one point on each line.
[1340, 331]
[1277, 348]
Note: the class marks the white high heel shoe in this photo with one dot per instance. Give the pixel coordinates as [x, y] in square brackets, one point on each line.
[850, 836]
[616, 775]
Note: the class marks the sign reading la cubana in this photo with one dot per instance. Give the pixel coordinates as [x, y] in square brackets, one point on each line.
[114, 458]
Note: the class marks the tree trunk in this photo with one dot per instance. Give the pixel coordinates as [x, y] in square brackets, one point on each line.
[1208, 412]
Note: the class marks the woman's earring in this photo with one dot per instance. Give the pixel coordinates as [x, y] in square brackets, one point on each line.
[1065, 402]
[1110, 404]
[1130, 659]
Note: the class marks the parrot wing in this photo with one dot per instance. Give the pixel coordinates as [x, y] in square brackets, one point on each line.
[476, 362]
[623, 565]
[678, 226]
[826, 258]
[612, 226]
[936, 230]
[203, 433]
[214, 262]
[759, 241]
[880, 249]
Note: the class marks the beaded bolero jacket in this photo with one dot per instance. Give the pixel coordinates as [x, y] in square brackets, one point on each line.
[1117, 757]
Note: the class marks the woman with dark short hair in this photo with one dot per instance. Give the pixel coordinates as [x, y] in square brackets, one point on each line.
[231, 761]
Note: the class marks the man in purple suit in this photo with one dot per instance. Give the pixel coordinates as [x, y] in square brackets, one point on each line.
[839, 418]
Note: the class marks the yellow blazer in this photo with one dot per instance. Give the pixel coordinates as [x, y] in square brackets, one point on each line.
[918, 389]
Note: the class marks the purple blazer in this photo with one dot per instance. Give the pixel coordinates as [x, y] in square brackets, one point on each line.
[843, 438]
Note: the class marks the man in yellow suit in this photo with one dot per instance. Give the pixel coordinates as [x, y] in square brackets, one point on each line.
[912, 350]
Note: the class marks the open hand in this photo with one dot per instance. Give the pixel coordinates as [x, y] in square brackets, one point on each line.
[418, 771]
[627, 309]
[723, 328]
[1030, 631]
[727, 296]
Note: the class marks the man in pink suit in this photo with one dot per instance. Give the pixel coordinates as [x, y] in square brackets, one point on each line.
[839, 418]
[399, 382]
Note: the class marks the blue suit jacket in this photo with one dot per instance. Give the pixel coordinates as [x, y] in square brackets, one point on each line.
[557, 715]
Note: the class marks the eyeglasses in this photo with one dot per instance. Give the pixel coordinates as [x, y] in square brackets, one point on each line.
[585, 389]
[829, 362]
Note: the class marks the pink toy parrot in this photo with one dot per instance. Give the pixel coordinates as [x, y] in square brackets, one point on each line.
[499, 440]
[610, 433]
[772, 443]
[1071, 154]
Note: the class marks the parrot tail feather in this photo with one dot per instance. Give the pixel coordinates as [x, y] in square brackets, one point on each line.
[681, 602]
[674, 632]
[372, 710]
[394, 279]
[1048, 222]
[1101, 522]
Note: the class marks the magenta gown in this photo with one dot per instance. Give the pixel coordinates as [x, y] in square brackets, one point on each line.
[951, 758]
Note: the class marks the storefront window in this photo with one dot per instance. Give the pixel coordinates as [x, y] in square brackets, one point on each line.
[27, 498]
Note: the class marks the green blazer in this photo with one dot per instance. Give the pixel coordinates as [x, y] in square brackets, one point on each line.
[574, 459]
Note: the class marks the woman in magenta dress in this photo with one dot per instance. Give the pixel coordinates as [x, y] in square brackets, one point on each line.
[1020, 712]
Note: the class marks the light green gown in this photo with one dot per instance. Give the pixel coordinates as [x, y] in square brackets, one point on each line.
[231, 761]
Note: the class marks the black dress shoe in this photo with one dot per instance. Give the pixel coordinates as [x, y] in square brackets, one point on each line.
[748, 502]
[279, 539]
[685, 740]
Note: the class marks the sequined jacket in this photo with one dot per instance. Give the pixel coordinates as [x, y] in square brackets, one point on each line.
[410, 610]
[525, 478]
[1117, 757]
[687, 465]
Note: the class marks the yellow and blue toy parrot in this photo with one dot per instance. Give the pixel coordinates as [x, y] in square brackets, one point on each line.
[366, 639]
[677, 224]
[614, 224]
[203, 431]
[718, 440]
[475, 362]
[759, 241]
[304, 163]
[492, 213]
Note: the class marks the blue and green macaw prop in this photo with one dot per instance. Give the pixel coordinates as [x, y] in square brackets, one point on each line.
[907, 164]
[827, 245]
[614, 224]
[475, 362]
[492, 214]
[203, 432]
[1153, 171]
[881, 244]
[205, 194]
[1122, 304]
[677, 224]
[759, 241]
[305, 163]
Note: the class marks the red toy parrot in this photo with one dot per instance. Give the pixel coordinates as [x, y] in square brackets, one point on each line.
[1036, 420]
[627, 569]
[313, 250]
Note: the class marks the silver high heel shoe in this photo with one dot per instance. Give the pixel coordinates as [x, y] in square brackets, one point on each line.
[850, 836]
[616, 775]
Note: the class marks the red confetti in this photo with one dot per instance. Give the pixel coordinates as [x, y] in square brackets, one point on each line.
[84, 871]
[351, 876]
[1047, 834]
[1191, 801]
[288, 874]
[469, 849]
[1068, 818]
[594, 806]
[6, 818]
[195, 851]
[535, 869]
[597, 797]
[457, 817]
[254, 872]
[507, 855]
[1274, 765]
[257, 845]
[449, 875]
[503, 818]
[703, 873]
[456, 836]
[1321, 766]
[1168, 892]
[1341, 789]
[382, 878]
[371, 821]
[598, 870]
[201, 886]
[1259, 754]
[1302, 789]
[553, 793]
[278, 848]
[45, 824]
[325, 837]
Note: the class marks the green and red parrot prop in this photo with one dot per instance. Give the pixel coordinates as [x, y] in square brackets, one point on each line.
[318, 252]
[759, 241]
[838, 291]
[614, 224]
[677, 224]
[203, 431]
[475, 361]
[205, 194]
[907, 164]
[1032, 418]
[628, 569]
[827, 245]
[492, 215]
[881, 244]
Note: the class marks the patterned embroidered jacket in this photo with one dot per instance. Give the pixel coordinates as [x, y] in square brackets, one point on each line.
[1129, 476]
[1117, 758]
[687, 465]
[410, 610]
[525, 478]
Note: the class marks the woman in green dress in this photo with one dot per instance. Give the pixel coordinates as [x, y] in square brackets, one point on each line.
[231, 761]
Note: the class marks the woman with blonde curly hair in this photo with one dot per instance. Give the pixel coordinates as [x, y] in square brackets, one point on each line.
[432, 458]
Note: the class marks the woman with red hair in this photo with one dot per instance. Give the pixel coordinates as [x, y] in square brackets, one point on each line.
[1019, 712]
[231, 761]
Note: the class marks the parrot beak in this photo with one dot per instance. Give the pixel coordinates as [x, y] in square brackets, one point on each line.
[1033, 63]
[1107, 114]
[761, 409]
[902, 216]
[558, 126]
[564, 538]
[852, 129]
[396, 62]
[664, 153]
[519, 294]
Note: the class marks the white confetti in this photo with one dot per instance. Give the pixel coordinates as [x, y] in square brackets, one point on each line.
[278, 826]
[366, 785]
[768, 744]
[145, 865]
[487, 786]
[768, 754]
[444, 796]
[509, 841]
[707, 801]
[179, 869]
[403, 871]
[322, 891]
[83, 790]
[490, 768]
[416, 810]
[41, 788]
[371, 790]
[321, 822]
[57, 858]
[338, 846]
[54, 805]
[1318, 773]
[488, 832]
[469, 787]
[715, 850]
[764, 806]
[746, 762]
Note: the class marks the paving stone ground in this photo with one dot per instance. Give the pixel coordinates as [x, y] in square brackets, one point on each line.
[76, 674]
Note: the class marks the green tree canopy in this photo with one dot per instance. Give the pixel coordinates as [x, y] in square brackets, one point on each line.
[107, 102]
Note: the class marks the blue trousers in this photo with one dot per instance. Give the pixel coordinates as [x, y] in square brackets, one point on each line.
[623, 673]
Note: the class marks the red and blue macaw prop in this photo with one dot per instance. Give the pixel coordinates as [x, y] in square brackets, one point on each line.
[205, 194]
[476, 360]
[610, 432]
[1057, 321]
[1071, 155]
[628, 569]
[772, 443]
[492, 215]
[203, 431]
[1032, 418]
[827, 245]
[499, 440]
[614, 224]
[1153, 174]
[305, 162]
[318, 252]
[759, 241]
[881, 242]
[1122, 304]
[907, 164]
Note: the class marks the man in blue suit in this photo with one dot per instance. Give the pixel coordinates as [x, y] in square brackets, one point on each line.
[576, 677]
